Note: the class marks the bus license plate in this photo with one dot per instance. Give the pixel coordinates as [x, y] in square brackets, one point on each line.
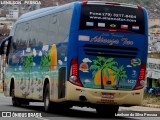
[108, 95]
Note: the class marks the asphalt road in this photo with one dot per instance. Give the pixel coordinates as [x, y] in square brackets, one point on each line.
[75, 113]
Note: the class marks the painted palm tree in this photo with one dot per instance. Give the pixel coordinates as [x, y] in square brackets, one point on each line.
[119, 74]
[28, 62]
[102, 64]
[45, 61]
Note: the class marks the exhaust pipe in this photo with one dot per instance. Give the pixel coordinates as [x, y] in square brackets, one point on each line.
[82, 98]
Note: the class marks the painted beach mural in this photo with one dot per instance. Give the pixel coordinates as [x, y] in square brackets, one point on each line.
[109, 61]
[31, 66]
[107, 73]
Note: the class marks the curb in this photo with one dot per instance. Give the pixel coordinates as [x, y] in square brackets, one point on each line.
[151, 105]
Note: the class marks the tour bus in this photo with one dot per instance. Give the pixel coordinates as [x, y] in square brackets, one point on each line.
[90, 54]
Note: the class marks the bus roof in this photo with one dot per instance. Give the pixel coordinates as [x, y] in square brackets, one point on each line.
[50, 10]
[42, 12]
[110, 3]
[35, 12]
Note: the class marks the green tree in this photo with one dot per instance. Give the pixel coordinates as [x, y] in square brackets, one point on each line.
[119, 74]
[102, 64]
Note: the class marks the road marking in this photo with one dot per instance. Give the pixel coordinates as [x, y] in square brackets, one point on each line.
[41, 118]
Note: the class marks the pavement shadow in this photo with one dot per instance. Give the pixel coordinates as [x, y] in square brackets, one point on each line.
[73, 113]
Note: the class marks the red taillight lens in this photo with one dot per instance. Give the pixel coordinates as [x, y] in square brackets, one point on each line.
[141, 78]
[74, 67]
[3, 85]
[84, 3]
[74, 79]
[142, 72]
[140, 8]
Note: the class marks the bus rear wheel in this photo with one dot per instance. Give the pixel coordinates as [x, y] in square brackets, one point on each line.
[48, 105]
[107, 110]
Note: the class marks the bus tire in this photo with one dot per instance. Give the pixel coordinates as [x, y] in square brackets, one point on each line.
[25, 102]
[47, 103]
[15, 101]
[107, 110]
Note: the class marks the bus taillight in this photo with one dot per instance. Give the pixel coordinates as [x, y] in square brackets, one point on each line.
[84, 3]
[140, 8]
[74, 79]
[141, 79]
[3, 85]
[74, 67]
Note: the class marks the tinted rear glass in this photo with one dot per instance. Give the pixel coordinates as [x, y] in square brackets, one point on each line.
[105, 17]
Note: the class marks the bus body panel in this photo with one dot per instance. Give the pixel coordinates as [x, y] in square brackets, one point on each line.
[29, 80]
[32, 66]
[99, 96]
[124, 54]
[6, 85]
[87, 45]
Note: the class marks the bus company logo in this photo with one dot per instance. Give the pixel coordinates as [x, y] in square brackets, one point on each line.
[126, 41]
[113, 25]
[100, 39]
[136, 62]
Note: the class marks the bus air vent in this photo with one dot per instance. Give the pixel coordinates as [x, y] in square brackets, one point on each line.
[110, 51]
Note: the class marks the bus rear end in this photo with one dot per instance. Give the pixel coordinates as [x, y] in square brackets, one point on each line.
[108, 53]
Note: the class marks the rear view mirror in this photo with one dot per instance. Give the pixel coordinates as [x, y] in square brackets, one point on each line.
[5, 47]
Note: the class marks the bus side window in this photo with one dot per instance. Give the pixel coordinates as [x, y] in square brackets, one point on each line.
[34, 41]
[53, 29]
[26, 36]
[64, 19]
[43, 25]
[54, 19]
[21, 36]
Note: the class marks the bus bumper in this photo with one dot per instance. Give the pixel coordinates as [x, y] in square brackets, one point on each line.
[99, 96]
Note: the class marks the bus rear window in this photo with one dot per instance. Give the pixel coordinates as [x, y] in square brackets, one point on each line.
[106, 17]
